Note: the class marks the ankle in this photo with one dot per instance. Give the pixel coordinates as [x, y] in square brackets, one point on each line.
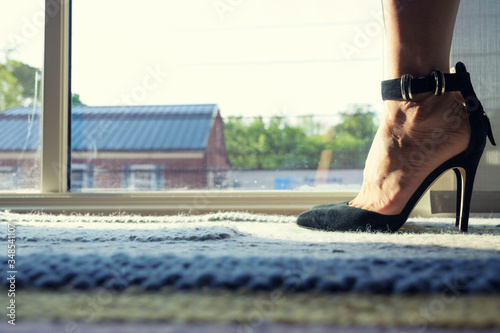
[416, 61]
[427, 107]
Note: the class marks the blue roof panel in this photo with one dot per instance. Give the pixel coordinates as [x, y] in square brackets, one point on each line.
[117, 128]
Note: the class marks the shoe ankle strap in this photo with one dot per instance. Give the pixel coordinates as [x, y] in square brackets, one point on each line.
[438, 82]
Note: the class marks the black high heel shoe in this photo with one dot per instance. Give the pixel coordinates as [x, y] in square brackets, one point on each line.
[342, 217]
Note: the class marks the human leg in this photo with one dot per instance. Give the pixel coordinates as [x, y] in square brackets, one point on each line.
[420, 135]
[415, 136]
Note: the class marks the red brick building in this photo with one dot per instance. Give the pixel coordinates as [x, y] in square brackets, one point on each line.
[157, 147]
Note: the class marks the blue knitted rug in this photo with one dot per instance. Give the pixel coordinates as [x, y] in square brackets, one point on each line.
[234, 251]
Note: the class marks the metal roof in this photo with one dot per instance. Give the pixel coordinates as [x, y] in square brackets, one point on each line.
[116, 128]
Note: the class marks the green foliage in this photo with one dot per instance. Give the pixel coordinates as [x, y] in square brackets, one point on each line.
[310, 126]
[17, 84]
[352, 137]
[277, 144]
[75, 100]
[10, 89]
[26, 76]
[274, 145]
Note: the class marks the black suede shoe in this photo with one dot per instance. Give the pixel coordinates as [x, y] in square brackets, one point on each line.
[342, 217]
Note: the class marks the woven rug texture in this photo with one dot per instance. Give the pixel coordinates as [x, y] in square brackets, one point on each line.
[225, 258]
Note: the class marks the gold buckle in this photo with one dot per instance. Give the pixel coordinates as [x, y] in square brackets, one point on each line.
[406, 86]
[440, 82]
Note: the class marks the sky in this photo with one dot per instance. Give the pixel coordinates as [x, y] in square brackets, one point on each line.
[251, 57]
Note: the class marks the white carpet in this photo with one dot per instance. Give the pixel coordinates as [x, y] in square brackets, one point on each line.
[243, 234]
[256, 252]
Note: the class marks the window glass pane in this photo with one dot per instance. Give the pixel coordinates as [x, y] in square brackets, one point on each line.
[476, 45]
[21, 58]
[260, 95]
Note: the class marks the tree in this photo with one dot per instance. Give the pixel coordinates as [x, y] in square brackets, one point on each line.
[288, 146]
[29, 78]
[277, 144]
[352, 137]
[75, 100]
[18, 82]
[240, 144]
[10, 90]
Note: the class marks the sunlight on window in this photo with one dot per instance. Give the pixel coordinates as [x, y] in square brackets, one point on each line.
[21, 57]
[205, 96]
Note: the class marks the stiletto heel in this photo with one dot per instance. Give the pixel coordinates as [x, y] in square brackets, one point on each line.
[458, 175]
[343, 217]
[467, 175]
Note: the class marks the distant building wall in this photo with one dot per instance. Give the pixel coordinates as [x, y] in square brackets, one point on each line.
[19, 170]
[217, 163]
[169, 173]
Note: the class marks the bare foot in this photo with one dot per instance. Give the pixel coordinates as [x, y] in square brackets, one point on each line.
[413, 139]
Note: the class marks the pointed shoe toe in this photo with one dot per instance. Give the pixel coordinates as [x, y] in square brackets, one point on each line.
[342, 217]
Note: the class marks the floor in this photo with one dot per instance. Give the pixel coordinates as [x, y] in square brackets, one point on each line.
[44, 327]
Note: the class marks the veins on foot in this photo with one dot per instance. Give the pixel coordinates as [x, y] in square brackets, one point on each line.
[413, 139]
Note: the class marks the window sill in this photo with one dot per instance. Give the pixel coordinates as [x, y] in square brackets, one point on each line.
[176, 202]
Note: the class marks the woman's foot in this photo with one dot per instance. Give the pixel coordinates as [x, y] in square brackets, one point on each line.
[413, 139]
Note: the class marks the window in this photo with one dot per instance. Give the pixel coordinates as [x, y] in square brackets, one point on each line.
[142, 177]
[222, 100]
[21, 57]
[10, 178]
[82, 177]
[475, 29]
[269, 78]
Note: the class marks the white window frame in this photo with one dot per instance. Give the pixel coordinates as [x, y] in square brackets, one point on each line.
[54, 196]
